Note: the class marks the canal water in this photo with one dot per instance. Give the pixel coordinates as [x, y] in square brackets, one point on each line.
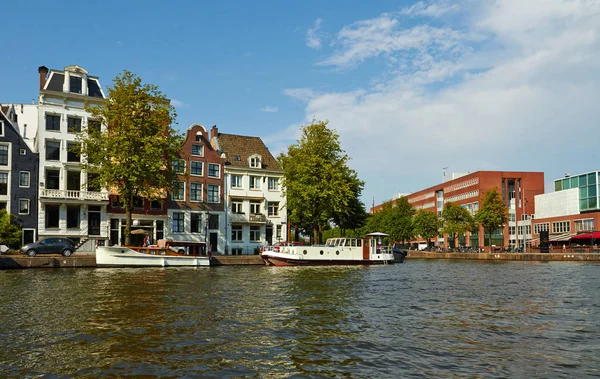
[428, 318]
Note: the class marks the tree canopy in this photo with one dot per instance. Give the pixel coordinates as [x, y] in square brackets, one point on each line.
[456, 220]
[319, 185]
[492, 214]
[10, 230]
[426, 225]
[133, 154]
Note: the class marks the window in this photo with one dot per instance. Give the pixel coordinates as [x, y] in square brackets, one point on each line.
[74, 124]
[254, 233]
[511, 230]
[94, 126]
[23, 206]
[273, 184]
[116, 202]
[273, 208]
[561, 227]
[24, 178]
[254, 207]
[512, 217]
[177, 222]
[138, 202]
[236, 181]
[1, 128]
[543, 227]
[22, 151]
[53, 179]
[156, 205]
[214, 170]
[255, 162]
[179, 166]
[213, 221]
[52, 216]
[74, 84]
[584, 225]
[213, 193]
[52, 122]
[199, 137]
[195, 225]
[195, 191]
[198, 150]
[237, 158]
[73, 217]
[236, 233]
[236, 206]
[278, 233]
[254, 182]
[74, 180]
[73, 152]
[179, 192]
[3, 183]
[4, 155]
[196, 168]
[53, 150]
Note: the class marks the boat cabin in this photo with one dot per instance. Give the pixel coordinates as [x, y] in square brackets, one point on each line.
[349, 242]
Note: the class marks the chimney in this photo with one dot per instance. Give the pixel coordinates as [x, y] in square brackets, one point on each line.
[43, 70]
[214, 132]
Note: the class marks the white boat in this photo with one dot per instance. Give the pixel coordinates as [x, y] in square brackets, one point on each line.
[120, 256]
[336, 251]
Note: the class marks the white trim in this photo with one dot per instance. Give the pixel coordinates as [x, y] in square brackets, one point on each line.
[201, 171]
[28, 206]
[201, 192]
[28, 179]
[218, 194]
[1, 128]
[218, 172]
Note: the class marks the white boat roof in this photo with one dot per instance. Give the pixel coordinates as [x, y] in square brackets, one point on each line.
[377, 234]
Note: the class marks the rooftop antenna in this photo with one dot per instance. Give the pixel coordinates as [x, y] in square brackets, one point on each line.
[444, 171]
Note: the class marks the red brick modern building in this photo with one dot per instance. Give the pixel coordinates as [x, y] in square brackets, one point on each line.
[516, 188]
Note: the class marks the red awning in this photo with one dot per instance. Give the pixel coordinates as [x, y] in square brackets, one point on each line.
[586, 236]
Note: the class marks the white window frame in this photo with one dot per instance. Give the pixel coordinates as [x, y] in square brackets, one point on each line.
[179, 161]
[218, 170]
[240, 183]
[218, 194]
[201, 150]
[23, 152]
[201, 191]
[255, 161]
[178, 192]
[275, 181]
[28, 179]
[173, 223]
[255, 234]
[201, 169]
[275, 206]
[238, 230]
[256, 181]
[1, 128]
[8, 154]
[28, 206]
[237, 207]
[255, 207]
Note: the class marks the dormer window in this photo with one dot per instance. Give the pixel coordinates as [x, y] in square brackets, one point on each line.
[237, 158]
[255, 161]
[75, 84]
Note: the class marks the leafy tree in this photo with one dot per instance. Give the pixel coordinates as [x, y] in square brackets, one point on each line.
[456, 220]
[492, 214]
[401, 220]
[317, 181]
[426, 224]
[10, 230]
[355, 216]
[134, 154]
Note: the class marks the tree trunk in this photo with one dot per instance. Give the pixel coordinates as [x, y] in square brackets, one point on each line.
[128, 212]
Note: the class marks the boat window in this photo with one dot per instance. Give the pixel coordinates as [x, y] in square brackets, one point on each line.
[348, 242]
[359, 243]
[353, 242]
[336, 242]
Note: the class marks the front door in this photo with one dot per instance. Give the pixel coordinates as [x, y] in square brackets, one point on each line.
[269, 235]
[94, 223]
[214, 241]
[365, 249]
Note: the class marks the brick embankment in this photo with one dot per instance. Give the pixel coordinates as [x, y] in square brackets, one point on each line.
[539, 257]
[226, 260]
[46, 261]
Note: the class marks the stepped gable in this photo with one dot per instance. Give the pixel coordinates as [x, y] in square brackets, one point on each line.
[239, 148]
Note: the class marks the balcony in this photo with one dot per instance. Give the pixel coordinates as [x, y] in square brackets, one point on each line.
[240, 218]
[55, 194]
[257, 218]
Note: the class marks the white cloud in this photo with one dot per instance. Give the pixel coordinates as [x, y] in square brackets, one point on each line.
[313, 35]
[269, 109]
[515, 87]
[384, 36]
[178, 104]
[435, 9]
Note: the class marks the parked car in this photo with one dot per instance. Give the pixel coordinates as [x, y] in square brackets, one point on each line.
[51, 245]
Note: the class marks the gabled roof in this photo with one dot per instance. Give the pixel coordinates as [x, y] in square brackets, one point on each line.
[235, 146]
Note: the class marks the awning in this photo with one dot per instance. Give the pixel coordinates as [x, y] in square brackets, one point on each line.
[586, 236]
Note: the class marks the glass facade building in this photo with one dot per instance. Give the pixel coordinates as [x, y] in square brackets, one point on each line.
[588, 189]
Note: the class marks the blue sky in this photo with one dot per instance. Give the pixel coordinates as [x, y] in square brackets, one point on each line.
[411, 87]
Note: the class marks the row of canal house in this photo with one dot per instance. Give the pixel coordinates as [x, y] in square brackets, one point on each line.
[229, 195]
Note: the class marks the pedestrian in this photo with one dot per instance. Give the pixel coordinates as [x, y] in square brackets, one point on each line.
[146, 242]
[564, 248]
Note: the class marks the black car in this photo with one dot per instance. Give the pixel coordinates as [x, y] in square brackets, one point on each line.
[51, 245]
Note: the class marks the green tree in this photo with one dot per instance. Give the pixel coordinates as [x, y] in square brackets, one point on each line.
[133, 155]
[10, 230]
[456, 220]
[492, 214]
[355, 216]
[318, 183]
[401, 221]
[426, 224]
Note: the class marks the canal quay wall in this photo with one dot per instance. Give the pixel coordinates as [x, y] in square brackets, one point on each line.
[533, 257]
[89, 260]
